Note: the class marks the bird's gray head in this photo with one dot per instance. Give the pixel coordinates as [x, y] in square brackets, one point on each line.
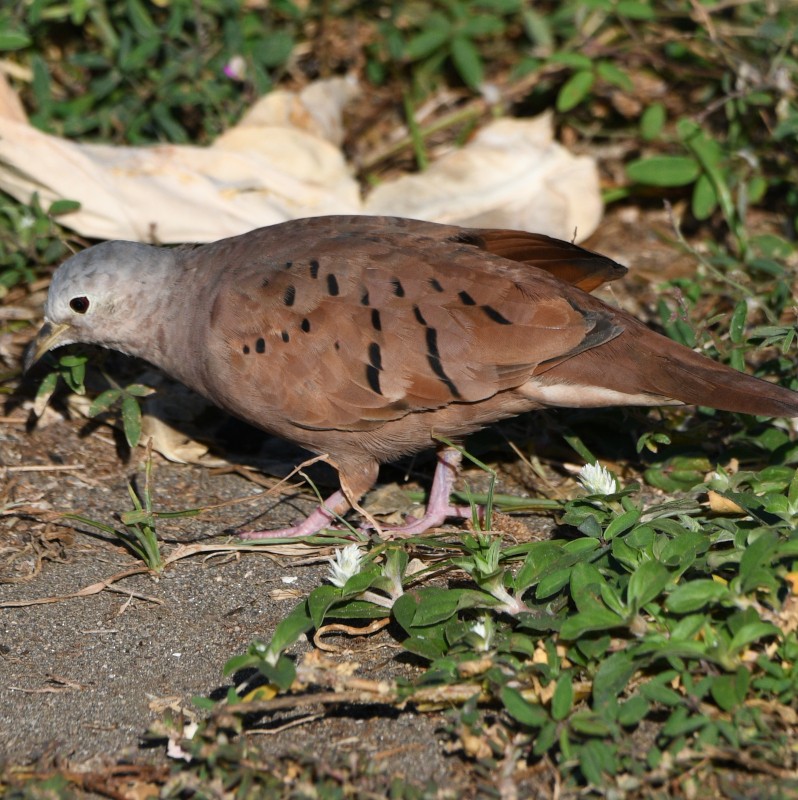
[104, 295]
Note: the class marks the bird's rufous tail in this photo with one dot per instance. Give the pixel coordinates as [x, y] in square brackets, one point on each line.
[642, 363]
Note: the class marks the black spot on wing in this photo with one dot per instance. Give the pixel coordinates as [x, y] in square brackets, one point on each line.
[434, 360]
[435, 284]
[374, 367]
[286, 337]
[376, 322]
[494, 315]
[419, 316]
[466, 299]
[245, 349]
[260, 345]
[314, 269]
[364, 298]
[373, 378]
[290, 295]
[305, 325]
[332, 285]
[375, 356]
[398, 289]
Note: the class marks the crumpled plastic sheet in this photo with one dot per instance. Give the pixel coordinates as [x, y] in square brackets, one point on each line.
[283, 161]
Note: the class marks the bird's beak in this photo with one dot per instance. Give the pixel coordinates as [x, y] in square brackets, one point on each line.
[47, 338]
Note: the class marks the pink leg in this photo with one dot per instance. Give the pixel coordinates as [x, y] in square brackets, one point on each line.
[317, 520]
[439, 509]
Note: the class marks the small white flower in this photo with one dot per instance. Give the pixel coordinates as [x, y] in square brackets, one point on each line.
[484, 630]
[236, 68]
[596, 479]
[479, 628]
[345, 564]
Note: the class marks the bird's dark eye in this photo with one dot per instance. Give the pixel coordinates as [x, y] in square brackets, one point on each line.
[80, 305]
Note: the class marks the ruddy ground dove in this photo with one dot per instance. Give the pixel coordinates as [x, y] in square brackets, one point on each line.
[366, 338]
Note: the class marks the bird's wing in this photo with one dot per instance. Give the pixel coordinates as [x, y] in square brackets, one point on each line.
[352, 326]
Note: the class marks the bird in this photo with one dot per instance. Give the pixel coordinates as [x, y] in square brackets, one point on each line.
[365, 339]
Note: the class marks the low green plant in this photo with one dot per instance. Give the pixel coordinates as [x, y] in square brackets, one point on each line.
[128, 399]
[30, 239]
[645, 612]
[71, 369]
[139, 532]
[141, 72]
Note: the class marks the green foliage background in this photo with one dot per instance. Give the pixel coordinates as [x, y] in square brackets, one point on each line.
[652, 635]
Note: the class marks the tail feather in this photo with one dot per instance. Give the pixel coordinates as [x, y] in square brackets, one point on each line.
[642, 362]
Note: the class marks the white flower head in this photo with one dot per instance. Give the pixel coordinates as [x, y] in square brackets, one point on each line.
[479, 628]
[596, 479]
[236, 68]
[484, 630]
[344, 564]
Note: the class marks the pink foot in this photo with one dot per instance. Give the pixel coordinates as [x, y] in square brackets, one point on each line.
[316, 521]
[439, 509]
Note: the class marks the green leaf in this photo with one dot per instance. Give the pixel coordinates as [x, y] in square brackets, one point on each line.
[426, 648]
[131, 419]
[532, 716]
[682, 722]
[362, 580]
[245, 660]
[590, 724]
[14, 40]
[633, 711]
[540, 556]
[590, 763]
[425, 43]
[468, 62]
[586, 582]
[737, 324]
[635, 9]
[432, 605]
[319, 602]
[281, 674]
[652, 121]
[596, 619]
[103, 402]
[664, 171]
[695, 595]
[705, 198]
[612, 676]
[141, 19]
[648, 580]
[275, 48]
[482, 25]
[139, 390]
[563, 699]
[622, 523]
[291, 628]
[614, 75]
[752, 632]
[575, 90]
[44, 392]
[658, 693]
[577, 61]
[63, 207]
[729, 691]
